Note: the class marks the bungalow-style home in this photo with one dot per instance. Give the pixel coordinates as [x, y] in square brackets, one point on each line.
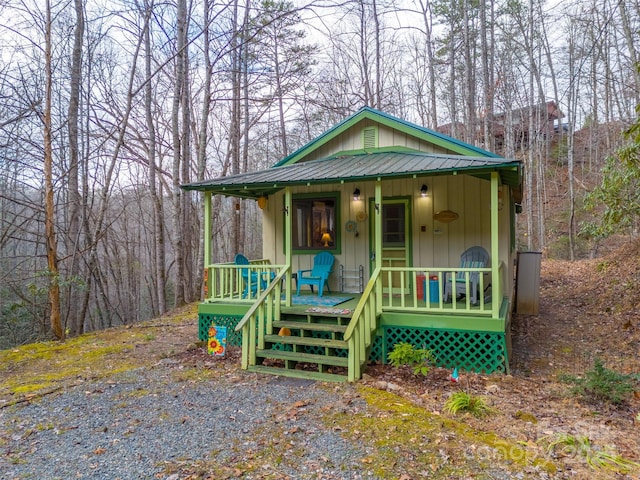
[376, 233]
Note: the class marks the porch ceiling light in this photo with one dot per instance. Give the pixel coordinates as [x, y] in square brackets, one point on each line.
[423, 190]
[356, 194]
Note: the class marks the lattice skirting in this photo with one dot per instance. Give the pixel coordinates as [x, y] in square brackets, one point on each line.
[205, 320]
[482, 352]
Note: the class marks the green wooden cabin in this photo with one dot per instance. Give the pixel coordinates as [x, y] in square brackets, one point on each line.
[396, 204]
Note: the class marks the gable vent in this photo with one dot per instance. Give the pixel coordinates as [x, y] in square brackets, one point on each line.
[370, 137]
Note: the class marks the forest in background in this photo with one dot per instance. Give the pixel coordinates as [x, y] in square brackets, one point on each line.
[108, 107]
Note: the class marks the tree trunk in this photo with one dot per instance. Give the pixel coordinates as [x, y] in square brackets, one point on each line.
[470, 78]
[158, 260]
[234, 133]
[75, 322]
[50, 233]
[573, 90]
[201, 152]
[179, 234]
[433, 98]
[487, 76]
[378, 53]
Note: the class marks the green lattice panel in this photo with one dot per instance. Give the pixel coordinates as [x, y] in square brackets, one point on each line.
[338, 352]
[473, 351]
[375, 354]
[205, 320]
[282, 347]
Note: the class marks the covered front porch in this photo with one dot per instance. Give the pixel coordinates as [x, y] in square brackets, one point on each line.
[342, 331]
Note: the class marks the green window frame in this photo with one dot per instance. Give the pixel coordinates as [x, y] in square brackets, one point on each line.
[313, 216]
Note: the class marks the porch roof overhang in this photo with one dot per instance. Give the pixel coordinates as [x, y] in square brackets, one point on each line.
[349, 168]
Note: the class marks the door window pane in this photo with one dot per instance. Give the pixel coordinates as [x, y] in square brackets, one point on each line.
[393, 222]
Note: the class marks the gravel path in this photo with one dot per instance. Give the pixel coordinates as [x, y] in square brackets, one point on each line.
[159, 422]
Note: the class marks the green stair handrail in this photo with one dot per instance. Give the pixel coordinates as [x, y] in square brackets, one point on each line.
[364, 322]
[259, 318]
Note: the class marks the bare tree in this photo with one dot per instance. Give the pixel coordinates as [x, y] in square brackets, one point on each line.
[158, 273]
[75, 322]
[180, 124]
[50, 212]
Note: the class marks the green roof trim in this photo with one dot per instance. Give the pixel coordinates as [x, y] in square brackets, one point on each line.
[422, 133]
[356, 167]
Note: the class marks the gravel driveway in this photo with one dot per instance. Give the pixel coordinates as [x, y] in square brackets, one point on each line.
[162, 421]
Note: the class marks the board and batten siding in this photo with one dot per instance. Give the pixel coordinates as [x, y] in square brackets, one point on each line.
[439, 245]
[352, 139]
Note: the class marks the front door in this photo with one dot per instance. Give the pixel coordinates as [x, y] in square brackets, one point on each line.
[396, 242]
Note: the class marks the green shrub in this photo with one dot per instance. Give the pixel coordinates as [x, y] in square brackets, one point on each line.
[603, 385]
[465, 402]
[417, 358]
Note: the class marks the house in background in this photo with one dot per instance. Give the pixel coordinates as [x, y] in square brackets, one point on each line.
[396, 205]
[542, 117]
[515, 125]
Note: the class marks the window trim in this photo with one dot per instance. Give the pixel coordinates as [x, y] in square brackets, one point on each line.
[337, 241]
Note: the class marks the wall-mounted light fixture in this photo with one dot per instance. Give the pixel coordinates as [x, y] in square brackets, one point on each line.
[424, 190]
[356, 194]
[262, 202]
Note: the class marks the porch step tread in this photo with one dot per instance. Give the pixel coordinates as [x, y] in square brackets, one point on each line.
[318, 312]
[304, 357]
[304, 325]
[308, 341]
[307, 375]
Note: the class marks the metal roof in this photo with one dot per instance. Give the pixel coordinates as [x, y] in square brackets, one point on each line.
[351, 168]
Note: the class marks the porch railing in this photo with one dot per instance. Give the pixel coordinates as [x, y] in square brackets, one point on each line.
[415, 289]
[377, 296]
[260, 317]
[363, 324]
[239, 283]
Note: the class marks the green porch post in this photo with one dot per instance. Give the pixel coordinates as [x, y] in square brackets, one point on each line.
[377, 227]
[496, 294]
[288, 205]
[207, 243]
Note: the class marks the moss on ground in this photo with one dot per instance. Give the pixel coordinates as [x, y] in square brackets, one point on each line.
[39, 368]
[411, 441]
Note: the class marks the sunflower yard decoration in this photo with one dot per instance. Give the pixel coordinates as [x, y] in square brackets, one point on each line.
[217, 343]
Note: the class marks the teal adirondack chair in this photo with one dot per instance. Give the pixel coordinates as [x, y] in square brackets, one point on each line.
[250, 279]
[318, 276]
[474, 257]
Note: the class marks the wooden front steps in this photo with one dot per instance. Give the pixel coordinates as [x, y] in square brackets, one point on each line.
[315, 343]
[305, 374]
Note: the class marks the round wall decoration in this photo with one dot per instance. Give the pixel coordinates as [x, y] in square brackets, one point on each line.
[350, 226]
[361, 216]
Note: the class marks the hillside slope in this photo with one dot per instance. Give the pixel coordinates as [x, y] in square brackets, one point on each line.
[588, 310]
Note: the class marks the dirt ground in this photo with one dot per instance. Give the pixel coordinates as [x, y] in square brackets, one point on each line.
[588, 309]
